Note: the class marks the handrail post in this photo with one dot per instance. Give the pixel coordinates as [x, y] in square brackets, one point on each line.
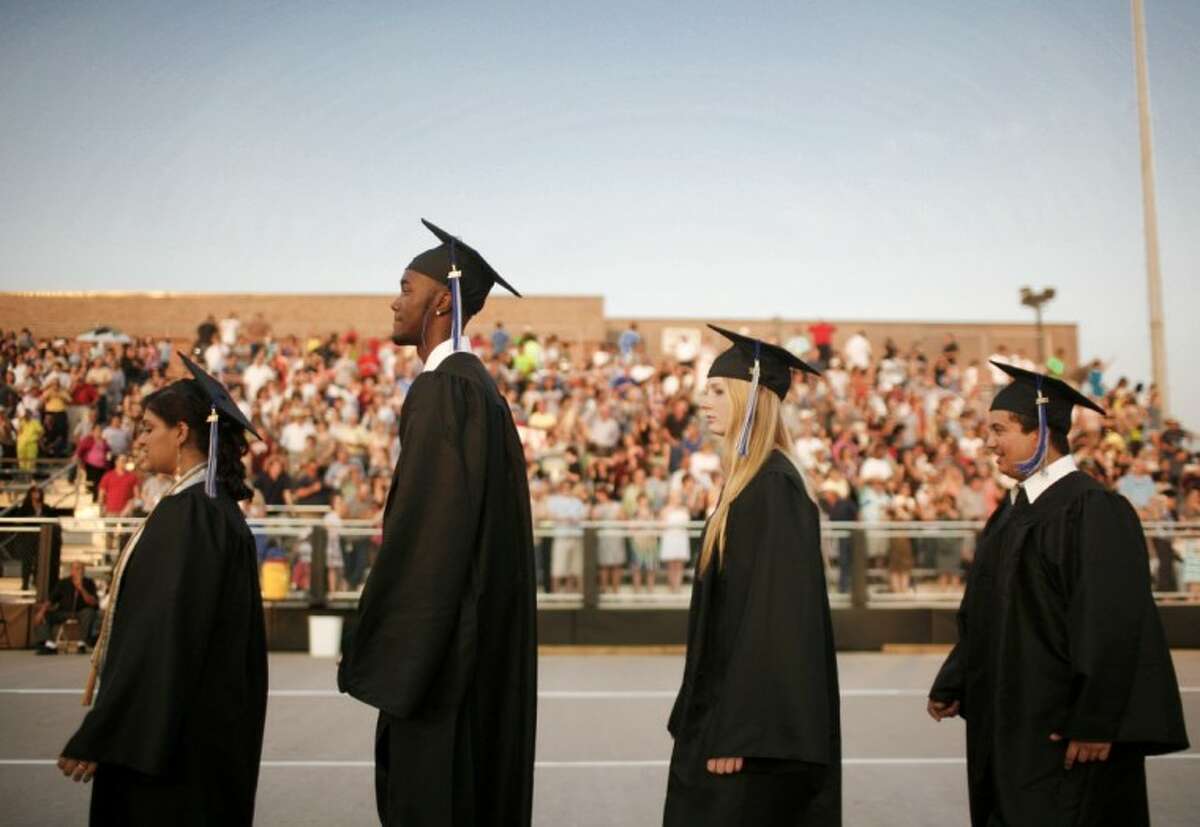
[45, 578]
[858, 568]
[591, 571]
[317, 579]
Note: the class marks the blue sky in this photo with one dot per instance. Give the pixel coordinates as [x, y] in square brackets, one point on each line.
[843, 159]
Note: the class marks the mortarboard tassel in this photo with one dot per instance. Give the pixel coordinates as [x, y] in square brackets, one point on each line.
[743, 445]
[210, 473]
[455, 276]
[1035, 462]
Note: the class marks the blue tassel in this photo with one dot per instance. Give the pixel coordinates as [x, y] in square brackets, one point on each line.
[743, 445]
[455, 298]
[1034, 463]
[210, 473]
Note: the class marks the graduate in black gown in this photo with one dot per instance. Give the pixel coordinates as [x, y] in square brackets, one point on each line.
[756, 723]
[445, 642]
[1061, 669]
[175, 732]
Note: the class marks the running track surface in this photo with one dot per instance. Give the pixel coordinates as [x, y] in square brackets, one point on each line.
[602, 744]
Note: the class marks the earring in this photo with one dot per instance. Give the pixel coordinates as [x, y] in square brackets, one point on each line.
[178, 460]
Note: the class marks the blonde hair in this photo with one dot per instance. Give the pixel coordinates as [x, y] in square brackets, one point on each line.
[768, 434]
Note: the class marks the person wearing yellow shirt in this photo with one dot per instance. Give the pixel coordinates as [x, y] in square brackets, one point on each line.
[29, 438]
[55, 401]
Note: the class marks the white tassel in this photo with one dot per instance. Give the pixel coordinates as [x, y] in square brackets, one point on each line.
[743, 448]
[210, 473]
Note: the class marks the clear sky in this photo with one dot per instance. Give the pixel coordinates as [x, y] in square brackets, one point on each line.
[844, 159]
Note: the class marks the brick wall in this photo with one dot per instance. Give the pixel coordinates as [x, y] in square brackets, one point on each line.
[573, 318]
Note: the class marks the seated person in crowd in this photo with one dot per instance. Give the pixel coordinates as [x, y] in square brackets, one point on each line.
[71, 597]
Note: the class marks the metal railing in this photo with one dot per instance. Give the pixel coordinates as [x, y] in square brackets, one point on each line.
[595, 564]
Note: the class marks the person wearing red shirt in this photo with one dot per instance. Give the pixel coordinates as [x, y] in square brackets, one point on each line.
[84, 393]
[117, 494]
[822, 336]
[118, 489]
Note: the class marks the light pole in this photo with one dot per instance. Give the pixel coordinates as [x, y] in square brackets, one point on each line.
[1036, 300]
[1154, 290]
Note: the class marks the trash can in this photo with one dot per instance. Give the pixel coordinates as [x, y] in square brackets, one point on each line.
[275, 580]
[324, 635]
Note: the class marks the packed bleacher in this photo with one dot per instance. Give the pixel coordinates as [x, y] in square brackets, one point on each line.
[885, 434]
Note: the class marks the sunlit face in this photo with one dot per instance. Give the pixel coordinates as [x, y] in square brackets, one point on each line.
[156, 449]
[1007, 444]
[413, 308]
[716, 407]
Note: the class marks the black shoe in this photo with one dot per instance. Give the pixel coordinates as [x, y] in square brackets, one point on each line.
[45, 650]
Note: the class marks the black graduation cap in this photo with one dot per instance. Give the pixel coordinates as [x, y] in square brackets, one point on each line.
[775, 363]
[476, 276]
[216, 392]
[1036, 395]
[754, 361]
[1020, 396]
[222, 404]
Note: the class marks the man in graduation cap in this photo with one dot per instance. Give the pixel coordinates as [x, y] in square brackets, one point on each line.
[445, 643]
[1061, 669]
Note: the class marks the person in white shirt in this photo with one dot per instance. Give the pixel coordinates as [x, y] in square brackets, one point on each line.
[214, 358]
[837, 378]
[1001, 356]
[257, 374]
[877, 467]
[229, 328]
[809, 446]
[295, 434]
[858, 351]
[1023, 362]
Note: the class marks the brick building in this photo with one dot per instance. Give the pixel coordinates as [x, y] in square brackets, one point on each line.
[578, 319]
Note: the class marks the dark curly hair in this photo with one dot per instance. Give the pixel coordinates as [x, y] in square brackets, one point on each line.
[186, 401]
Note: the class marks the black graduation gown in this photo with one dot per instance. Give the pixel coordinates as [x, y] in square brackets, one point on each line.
[760, 679]
[177, 722]
[445, 644]
[1058, 633]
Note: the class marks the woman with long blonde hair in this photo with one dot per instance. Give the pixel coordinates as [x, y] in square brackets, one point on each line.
[756, 723]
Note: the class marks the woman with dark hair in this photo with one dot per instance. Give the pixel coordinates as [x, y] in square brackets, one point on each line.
[175, 735]
[34, 505]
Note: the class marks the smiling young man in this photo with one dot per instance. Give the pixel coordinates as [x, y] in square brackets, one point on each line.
[1061, 669]
[445, 645]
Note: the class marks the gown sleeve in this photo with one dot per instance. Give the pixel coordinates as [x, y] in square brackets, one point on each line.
[412, 602]
[1108, 586]
[779, 692]
[951, 680]
[167, 613]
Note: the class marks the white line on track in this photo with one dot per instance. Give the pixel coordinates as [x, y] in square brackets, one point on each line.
[585, 765]
[552, 695]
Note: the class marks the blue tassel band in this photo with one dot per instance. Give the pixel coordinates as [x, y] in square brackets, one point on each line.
[210, 473]
[455, 277]
[456, 308]
[1035, 462]
[743, 445]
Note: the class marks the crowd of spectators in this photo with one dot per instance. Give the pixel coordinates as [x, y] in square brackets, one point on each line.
[886, 434]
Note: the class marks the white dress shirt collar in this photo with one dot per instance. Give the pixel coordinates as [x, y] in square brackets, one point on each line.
[439, 353]
[1036, 484]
